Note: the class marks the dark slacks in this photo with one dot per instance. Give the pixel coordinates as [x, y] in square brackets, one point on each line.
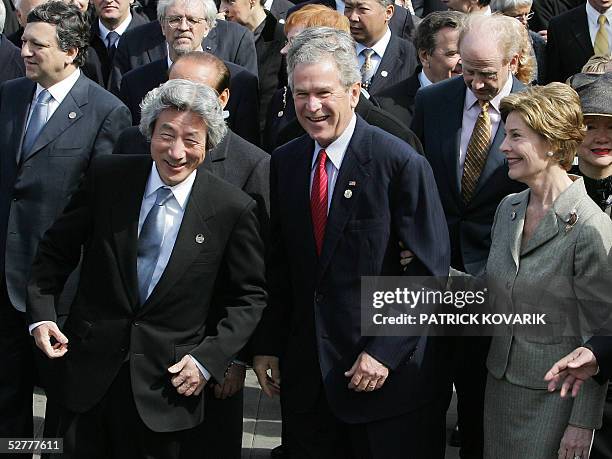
[602, 444]
[321, 435]
[113, 429]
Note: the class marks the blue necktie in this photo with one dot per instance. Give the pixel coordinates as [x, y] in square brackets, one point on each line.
[37, 121]
[111, 43]
[150, 241]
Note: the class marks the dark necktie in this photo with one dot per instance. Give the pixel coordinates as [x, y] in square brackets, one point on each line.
[37, 122]
[318, 200]
[150, 241]
[111, 44]
[476, 154]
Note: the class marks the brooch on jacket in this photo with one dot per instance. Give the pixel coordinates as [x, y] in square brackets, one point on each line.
[571, 220]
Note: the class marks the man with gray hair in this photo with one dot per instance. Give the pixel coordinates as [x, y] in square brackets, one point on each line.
[10, 55]
[343, 198]
[165, 244]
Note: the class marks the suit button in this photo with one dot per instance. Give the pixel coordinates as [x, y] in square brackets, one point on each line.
[15, 199]
[318, 297]
[136, 324]
[509, 285]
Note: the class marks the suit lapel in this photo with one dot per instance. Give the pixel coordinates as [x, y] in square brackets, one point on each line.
[546, 230]
[517, 223]
[580, 32]
[199, 208]
[22, 108]
[353, 170]
[451, 140]
[300, 193]
[209, 43]
[124, 220]
[68, 113]
[387, 65]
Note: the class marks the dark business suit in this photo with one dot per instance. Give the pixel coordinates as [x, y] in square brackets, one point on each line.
[227, 40]
[438, 115]
[569, 45]
[602, 348]
[399, 98]
[11, 24]
[423, 7]
[397, 64]
[242, 104]
[98, 65]
[222, 268]
[371, 115]
[34, 188]
[280, 8]
[313, 319]
[545, 10]
[12, 62]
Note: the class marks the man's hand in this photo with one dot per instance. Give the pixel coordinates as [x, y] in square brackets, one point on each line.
[576, 367]
[543, 34]
[367, 374]
[42, 336]
[576, 442]
[233, 382]
[187, 378]
[269, 382]
[406, 256]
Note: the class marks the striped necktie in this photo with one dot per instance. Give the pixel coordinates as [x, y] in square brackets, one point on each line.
[602, 46]
[476, 154]
[318, 200]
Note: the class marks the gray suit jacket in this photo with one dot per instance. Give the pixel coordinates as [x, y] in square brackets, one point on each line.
[35, 188]
[563, 268]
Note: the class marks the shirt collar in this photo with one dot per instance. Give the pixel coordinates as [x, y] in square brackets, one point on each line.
[180, 191]
[424, 80]
[593, 15]
[379, 47]
[104, 31]
[168, 55]
[268, 4]
[487, 11]
[335, 150]
[471, 100]
[60, 90]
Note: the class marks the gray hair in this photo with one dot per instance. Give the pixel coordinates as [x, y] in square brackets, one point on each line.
[503, 6]
[504, 30]
[386, 3]
[315, 44]
[184, 96]
[210, 10]
[2, 16]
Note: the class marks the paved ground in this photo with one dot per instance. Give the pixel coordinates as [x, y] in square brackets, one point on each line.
[261, 422]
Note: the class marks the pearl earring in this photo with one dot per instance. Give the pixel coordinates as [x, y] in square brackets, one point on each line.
[549, 154]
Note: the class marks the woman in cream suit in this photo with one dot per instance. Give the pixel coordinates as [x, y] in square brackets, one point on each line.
[550, 254]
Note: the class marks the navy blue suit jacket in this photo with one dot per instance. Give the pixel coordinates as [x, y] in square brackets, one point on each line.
[313, 319]
[12, 62]
[398, 64]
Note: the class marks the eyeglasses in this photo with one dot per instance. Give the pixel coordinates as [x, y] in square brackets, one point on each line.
[524, 17]
[177, 21]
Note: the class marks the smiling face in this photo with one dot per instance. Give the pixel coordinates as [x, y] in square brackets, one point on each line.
[178, 145]
[595, 152]
[324, 107]
[525, 150]
[112, 12]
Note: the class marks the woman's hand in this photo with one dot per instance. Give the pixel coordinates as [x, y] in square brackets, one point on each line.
[576, 443]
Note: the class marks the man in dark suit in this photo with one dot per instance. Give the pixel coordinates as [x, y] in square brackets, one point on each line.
[436, 40]
[10, 56]
[279, 9]
[52, 124]
[182, 247]
[575, 36]
[241, 106]
[384, 59]
[228, 41]
[349, 193]
[423, 7]
[471, 181]
[22, 8]
[114, 19]
[9, 22]
[545, 10]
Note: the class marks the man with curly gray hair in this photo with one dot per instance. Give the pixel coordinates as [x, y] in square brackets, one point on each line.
[349, 194]
[167, 247]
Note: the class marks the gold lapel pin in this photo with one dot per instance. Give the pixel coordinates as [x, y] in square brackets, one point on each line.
[199, 238]
[572, 219]
[72, 115]
[348, 194]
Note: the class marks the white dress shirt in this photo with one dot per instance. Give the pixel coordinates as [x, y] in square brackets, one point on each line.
[471, 110]
[593, 21]
[335, 153]
[120, 30]
[58, 92]
[379, 50]
[424, 80]
[340, 6]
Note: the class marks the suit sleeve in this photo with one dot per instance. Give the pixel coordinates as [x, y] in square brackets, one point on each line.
[602, 348]
[258, 187]
[116, 121]
[242, 294]
[418, 219]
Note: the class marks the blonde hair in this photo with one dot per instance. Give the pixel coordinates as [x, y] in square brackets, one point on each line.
[553, 111]
[525, 70]
[598, 64]
[317, 16]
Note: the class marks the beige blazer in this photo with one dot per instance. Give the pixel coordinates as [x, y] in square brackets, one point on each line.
[565, 271]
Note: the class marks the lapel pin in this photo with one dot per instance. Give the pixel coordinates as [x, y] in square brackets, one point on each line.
[281, 21]
[199, 238]
[513, 215]
[571, 220]
[384, 74]
[352, 183]
[280, 114]
[348, 194]
[72, 115]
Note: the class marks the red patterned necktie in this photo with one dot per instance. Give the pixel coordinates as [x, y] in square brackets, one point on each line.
[318, 200]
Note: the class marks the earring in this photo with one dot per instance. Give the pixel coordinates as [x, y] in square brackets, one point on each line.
[550, 154]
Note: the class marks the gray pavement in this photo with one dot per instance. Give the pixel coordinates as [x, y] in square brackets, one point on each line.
[261, 421]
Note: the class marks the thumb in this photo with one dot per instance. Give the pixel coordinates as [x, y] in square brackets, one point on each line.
[178, 366]
[57, 334]
[351, 372]
[580, 360]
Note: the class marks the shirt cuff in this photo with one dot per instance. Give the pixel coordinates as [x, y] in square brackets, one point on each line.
[36, 324]
[203, 370]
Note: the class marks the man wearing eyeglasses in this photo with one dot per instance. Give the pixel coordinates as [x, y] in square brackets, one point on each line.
[185, 23]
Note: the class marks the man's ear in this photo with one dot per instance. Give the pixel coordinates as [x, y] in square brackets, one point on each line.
[224, 97]
[71, 55]
[354, 92]
[389, 10]
[424, 58]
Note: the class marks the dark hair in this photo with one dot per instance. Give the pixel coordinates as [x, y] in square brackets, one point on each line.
[484, 2]
[72, 28]
[425, 33]
[203, 58]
